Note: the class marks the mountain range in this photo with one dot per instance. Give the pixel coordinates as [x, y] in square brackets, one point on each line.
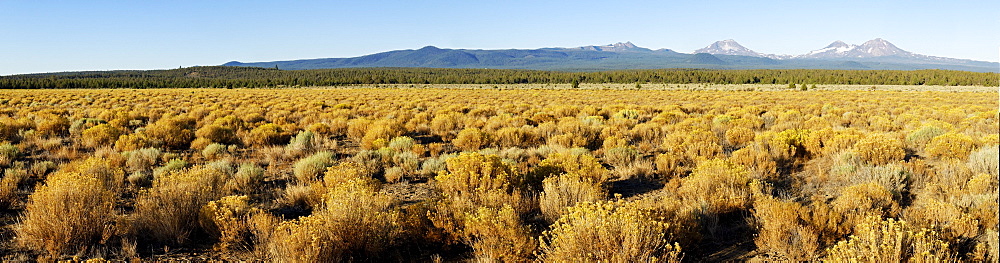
[726, 54]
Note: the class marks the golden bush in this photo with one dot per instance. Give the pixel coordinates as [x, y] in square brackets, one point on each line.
[172, 132]
[471, 139]
[472, 172]
[8, 153]
[950, 145]
[357, 221]
[499, 235]
[11, 182]
[575, 161]
[757, 160]
[380, 132]
[100, 135]
[226, 219]
[446, 125]
[880, 149]
[513, 137]
[739, 136]
[668, 165]
[566, 190]
[780, 235]
[217, 134]
[720, 184]
[877, 240]
[611, 231]
[266, 135]
[164, 213]
[53, 125]
[790, 143]
[134, 141]
[621, 156]
[70, 213]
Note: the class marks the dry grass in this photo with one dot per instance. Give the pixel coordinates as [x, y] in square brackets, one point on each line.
[794, 172]
[71, 212]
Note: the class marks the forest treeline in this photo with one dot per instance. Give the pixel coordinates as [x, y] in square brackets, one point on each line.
[251, 77]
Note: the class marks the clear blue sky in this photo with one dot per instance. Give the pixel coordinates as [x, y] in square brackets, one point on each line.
[48, 36]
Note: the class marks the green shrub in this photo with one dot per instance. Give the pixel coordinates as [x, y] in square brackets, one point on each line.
[310, 168]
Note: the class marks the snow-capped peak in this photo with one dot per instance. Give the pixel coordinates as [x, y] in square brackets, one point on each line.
[873, 48]
[728, 47]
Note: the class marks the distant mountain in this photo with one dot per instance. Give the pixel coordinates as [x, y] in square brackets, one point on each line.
[616, 47]
[728, 47]
[705, 59]
[726, 54]
[872, 48]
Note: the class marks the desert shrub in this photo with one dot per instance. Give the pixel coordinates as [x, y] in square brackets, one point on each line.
[343, 172]
[985, 160]
[433, 166]
[142, 160]
[217, 134]
[402, 143]
[170, 166]
[566, 190]
[952, 220]
[739, 136]
[164, 213]
[471, 139]
[215, 151]
[757, 160]
[70, 213]
[8, 153]
[472, 172]
[857, 202]
[374, 162]
[621, 156]
[780, 234]
[720, 184]
[380, 132]
[133, 141]
[577, 161]
[790, 143]
[12, 180]
[172, 132]
[877, 240]
[611, 231]
[100, 135]
[920, 137]
[394, 174]
[499, 235]
[512, 137]
[409, 162]
[474, 180]
[53, 125]
[668, 165]
[950, 145]
[303, 196]
[266, 135]
[226, 219]
[82, 124]
[247, 179]
[879, 150]
[310, 168]
[446, 125]
[106, 169]
[41, 168]
[302, 143]
[357, 221]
